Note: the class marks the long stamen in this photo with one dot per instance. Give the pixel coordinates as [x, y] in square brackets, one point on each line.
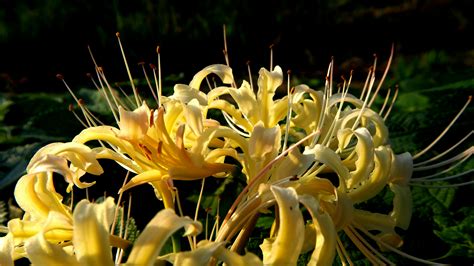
[443, 186]
[468, 152]
[159, 88]
[442, 178]
[71, 109]
[128, 70]
[250, 74]
[148, 80]
[399, 252]
[198, 205]
[288, 113]
[446, 151]
[442, 172]
[385, 101]
[392, 103]
[384, 75]
[271, 55]
[444, 131]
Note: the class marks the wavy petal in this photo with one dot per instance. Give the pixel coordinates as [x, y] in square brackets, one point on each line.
[148, 245]
[91, 232]
[291, 230]
[224, 72]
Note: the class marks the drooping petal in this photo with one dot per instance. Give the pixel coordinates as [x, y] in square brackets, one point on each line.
[42, 252]
[193, 115]
[224, 72]
[364, 149]
[6, 250]
[148, 245]
[325, 249]
[402, 205]
[91, 232]
[291, 230]
[185, 94]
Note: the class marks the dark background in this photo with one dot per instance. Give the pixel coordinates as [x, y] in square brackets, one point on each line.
[39, 39]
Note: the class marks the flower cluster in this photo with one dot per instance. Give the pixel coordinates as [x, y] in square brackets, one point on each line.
[312, 155]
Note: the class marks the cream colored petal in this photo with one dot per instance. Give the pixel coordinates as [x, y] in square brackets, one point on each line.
[41, 252]
[6, 250]
[78, 154]
[224, 72]
[402, 169]
[380, 136]
[378, 178]
[268, 82]
[292, 165]
[327, 156]
[278, 111]
[193, 115]
[325, 248]
[235, 113]
[148, 245]
[199, 256]
[364, 149]
[34, 196]
[185, 94]
[91, 232]
[264, 141]
[143, 178]
[232, 258]
[286, 247]
[402, 205]
[246, 100]
[134, 124]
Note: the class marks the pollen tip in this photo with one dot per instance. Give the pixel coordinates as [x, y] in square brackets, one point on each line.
[60, 76]
[152, 66]
[117, 34]
[248, 62]
[89, 75]
[70, 107]
[141, 63]
[271, 46]
[158, 50]
[288, 72]
[81, 102]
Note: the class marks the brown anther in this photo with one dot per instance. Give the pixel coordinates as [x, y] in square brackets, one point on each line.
[248, 62]
[81, 102]
[208, 209]
[141, 63]
[117, 34]
[100, 69]
[158, 50]
[271, 46]
[292, 90]
[70, 107]
[152, 116]
[288, 72]
[343, 78]
[294, 178]
[152, 66]
[89, 75]
[159, 147]
[60, 76]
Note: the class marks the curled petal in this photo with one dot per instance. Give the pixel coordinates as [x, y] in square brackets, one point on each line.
[402, 205]
[6, 250]
[268, 82]
[159, 229]
[134, 124]
[325, 249]
[279, 251]
[185, 94]
[193, 115]
[42, 252]
[224, 72]
[402, 168]
[264, 141]
[91, 232]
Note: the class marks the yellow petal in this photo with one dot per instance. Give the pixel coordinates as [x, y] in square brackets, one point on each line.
[224, 72]
[91, 232]
[365, 154]
[148, 245]
[185, 94]
[325, 249]
[6, 250]
[378, 178]
[402, 205]
[402, 168]
[41, 252]
[134, 124]
[264, 141]
[287, 245]
[193, 115]
[268, 82]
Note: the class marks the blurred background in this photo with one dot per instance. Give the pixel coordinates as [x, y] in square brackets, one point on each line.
[433, 65]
